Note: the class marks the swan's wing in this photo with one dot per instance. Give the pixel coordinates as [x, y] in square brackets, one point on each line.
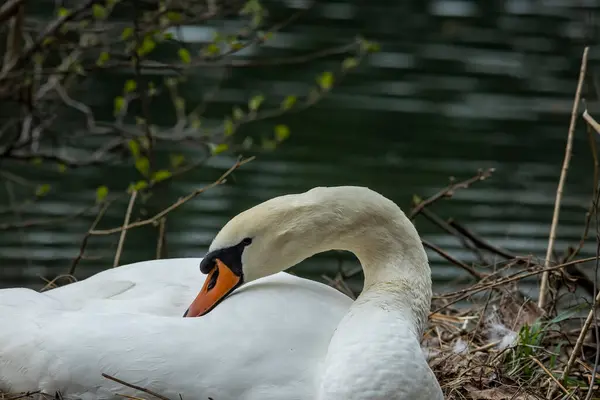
[19, 299]
[159, 287]
[265, 341]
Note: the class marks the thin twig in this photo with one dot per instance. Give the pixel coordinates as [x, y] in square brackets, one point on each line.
[21, 396]
[86, 238]
[9, 8]
[466, 242]
[124, 231]
[161, 238]
[561, 182]
[596, 330]
[479, 242]
[449, 190]
[539, 363]
[579, 343]
[592, 124]
[453, 260]
[45, 221]
[517, 277]
[136, 387]
[590, 120]
[175, 205]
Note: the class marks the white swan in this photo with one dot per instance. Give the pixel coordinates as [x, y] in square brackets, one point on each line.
[276, 337]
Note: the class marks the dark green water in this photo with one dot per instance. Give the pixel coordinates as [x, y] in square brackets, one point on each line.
[458, 85]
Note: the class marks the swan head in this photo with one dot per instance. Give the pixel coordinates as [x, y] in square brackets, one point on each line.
[283, 231]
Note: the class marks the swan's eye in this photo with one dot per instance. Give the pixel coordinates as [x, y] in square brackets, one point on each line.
[213, 280]
[247, 241]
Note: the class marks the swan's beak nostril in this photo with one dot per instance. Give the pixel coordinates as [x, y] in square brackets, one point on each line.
[220, 282]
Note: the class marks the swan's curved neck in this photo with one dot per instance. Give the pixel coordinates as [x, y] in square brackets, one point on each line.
[375, 350]
[397, 273]
[383, 239]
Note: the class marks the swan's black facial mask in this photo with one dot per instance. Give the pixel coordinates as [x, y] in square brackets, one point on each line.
[225, 274]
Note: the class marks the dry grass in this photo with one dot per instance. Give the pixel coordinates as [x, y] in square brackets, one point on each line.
[503, 348]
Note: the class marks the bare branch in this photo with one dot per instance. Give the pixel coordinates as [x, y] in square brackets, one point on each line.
[124, 231]
[9, 9]
[449, 190]
[136, 387]
[177, 204]
[561, 182]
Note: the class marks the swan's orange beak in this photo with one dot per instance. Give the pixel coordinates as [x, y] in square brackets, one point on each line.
[219, 283]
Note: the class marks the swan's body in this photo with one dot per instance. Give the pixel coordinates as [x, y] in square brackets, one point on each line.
[276, 337]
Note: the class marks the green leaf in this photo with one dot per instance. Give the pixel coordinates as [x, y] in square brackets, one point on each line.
[251, 6]
[38, 58]
[63, 12]
[36, 161]
[288, 102]
[101, 193]
[119, 104]
[325, 80]
[195, 121]
[184, 55]
[180, 104]
[134, 147]
[567, 314]
[236, 45]
[127, 33]
[228, 127]
[102, 58]
[238, 113]
[48, 40]
[148, 44]
[62, 168]
[130, 86]
[139, 185]
[171, 82]
[152, 89]
[416, 199]
[161, 175]
[144, 142]
[255, 102]
[98, 11]
[176, 160]
[78, 69]
[212, 49]
[142, 165]
[367, 46]
[220, 148]
[42, 190]
[282, 132]
[174, 16]
[349, 63]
